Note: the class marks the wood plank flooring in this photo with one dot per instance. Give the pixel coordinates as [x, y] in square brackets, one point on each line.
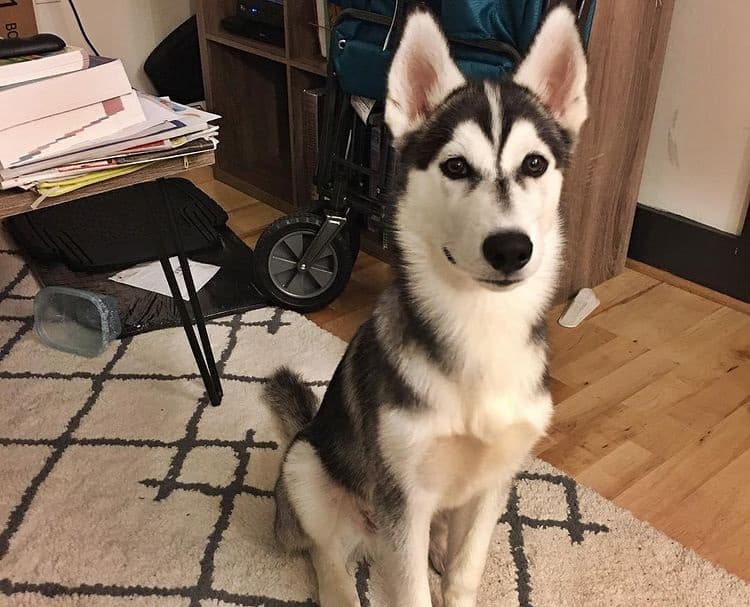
[652, 394]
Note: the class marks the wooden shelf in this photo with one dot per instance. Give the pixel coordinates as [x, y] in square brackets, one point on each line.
[314, 66]
[15, 202]
[252, 96]
[255, 47]
[259, 89]
[303, 45]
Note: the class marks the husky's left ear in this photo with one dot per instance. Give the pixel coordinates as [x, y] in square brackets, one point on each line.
[422, 75]
[555, 69]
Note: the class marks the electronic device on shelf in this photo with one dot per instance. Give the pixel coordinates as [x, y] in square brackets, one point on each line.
[37, 45]
[258, 19]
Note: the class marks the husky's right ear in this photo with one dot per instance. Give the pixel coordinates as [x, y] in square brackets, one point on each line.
[422, 75]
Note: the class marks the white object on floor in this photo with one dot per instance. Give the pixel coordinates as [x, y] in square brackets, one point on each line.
[150, 276]
[583, 304]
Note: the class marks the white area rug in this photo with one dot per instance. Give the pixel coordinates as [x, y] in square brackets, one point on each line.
[121, 485]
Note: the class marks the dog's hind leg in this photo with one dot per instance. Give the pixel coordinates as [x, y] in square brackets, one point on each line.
[470, 531]
[327, 515]
[287, 528]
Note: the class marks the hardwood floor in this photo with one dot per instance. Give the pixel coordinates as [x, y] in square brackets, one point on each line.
[652, 395]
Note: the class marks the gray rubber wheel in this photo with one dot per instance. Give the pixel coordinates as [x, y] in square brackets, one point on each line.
[286, 274]
[279, 274]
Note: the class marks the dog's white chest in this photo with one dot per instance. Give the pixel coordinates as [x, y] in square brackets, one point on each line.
[476, 424]
[484, 448]
[463, 447]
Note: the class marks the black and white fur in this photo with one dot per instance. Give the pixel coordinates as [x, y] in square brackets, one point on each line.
[442, 393]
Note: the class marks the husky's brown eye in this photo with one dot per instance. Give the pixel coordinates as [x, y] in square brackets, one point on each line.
[456, 168]
[534, 165]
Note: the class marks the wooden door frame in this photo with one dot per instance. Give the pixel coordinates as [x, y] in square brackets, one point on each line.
[626, 55]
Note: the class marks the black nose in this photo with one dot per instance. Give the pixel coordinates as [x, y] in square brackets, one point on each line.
[507, 252]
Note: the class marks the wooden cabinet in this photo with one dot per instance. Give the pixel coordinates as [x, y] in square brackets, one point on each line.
[258, 88]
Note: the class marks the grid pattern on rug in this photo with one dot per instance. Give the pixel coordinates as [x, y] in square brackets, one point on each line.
[16, 298]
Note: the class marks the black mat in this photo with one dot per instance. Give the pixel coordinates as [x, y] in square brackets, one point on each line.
[230, 291]
[81, 244]
[119, 228]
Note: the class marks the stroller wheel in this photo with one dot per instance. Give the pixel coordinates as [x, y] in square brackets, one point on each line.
[277, 264]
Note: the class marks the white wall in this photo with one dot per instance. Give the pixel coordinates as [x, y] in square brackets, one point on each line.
[126, 29]
[698, 160]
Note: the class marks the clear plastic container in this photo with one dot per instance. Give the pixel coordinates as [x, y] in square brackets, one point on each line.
[75, 321]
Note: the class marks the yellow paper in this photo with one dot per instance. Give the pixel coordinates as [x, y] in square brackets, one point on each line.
[64, 186]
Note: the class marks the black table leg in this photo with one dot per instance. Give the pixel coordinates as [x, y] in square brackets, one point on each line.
[202, 352]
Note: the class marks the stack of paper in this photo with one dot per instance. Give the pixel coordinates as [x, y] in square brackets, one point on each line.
[85, 124]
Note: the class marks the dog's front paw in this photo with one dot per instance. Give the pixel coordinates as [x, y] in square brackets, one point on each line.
[458, 592]
[439, 543]
[458, 599]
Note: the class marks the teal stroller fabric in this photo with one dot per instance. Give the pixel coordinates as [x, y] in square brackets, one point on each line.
[511, 21]
[361, 57]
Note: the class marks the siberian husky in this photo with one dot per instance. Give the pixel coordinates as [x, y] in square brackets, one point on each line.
[442, 394]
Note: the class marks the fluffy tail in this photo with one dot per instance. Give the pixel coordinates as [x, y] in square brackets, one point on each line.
[293, 402]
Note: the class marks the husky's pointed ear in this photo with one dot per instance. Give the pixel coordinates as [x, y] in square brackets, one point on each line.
[422, 74]
[555, 69]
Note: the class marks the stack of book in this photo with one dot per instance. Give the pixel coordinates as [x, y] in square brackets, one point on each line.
[69, 120]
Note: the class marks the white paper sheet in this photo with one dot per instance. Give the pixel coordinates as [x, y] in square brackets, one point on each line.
[150, 276]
